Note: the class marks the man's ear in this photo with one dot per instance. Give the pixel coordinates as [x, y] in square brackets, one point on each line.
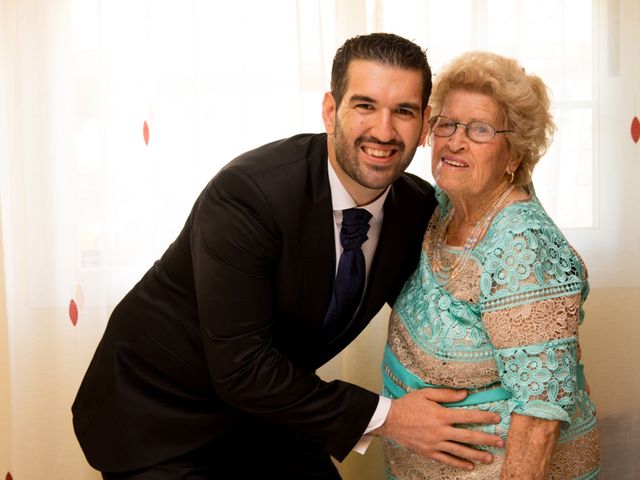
[329, 108]
[426, 115]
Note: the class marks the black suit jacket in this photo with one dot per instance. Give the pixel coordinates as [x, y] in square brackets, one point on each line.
[227, 325]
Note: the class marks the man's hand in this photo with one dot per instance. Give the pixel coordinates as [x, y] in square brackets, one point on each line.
[417, 422]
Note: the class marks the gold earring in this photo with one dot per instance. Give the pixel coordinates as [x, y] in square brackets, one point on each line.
[512, 176]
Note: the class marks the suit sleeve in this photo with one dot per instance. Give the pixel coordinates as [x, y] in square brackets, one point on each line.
[235, 244]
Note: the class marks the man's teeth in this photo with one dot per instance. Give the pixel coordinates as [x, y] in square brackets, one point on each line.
[378, 153]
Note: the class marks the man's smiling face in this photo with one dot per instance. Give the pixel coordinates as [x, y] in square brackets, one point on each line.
[374, 133]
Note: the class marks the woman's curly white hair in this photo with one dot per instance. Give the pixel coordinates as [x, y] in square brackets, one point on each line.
[523, 98]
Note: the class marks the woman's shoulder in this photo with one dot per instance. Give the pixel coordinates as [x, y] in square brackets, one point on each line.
[525, 225]
[524, 250]
[522, 216]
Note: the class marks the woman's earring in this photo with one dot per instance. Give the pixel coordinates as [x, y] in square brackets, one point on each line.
[512, 176]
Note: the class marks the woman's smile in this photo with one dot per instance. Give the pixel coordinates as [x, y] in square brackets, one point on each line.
[453, 161]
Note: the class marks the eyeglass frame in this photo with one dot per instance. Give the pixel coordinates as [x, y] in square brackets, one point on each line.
[466, 128]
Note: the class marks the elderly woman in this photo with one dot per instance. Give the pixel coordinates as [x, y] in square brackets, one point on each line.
[495, 303]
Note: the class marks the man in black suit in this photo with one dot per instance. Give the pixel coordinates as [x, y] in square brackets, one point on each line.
[207, 366]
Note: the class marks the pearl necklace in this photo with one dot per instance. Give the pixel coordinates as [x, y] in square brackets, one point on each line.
[445, 274]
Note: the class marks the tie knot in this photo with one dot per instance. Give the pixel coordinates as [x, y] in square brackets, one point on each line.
[355, 225]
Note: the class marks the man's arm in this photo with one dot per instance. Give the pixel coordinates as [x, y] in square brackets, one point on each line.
[417, 422]
[235, 244]
[236, 247]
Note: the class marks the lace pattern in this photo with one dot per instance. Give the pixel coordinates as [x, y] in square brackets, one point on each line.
[402, 464]
[465, 286]
[531, 323]
[442, 324]
[541, 377]
[526, 258]
[511, 316]
[436, 370]
[583, 465]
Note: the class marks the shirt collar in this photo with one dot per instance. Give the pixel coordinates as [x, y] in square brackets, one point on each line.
[341, 199]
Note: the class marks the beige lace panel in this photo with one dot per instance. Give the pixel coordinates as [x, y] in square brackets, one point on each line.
[571, 460]
[435, 370]
[406, 465]
[466, 286]
[576, 458]
[533, 323]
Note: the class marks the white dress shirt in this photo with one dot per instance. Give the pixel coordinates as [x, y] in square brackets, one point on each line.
[341, 200]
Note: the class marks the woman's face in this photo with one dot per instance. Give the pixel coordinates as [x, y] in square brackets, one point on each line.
[464, 169]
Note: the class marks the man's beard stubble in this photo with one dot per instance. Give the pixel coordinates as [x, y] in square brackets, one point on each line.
[347, 159]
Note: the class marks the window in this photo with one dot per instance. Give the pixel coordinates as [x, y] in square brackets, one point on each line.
[550, 38]
[211, 86]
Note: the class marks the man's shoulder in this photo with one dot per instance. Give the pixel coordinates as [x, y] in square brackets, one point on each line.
[283, 152]
[277, 172]
[411, 199]
[410, 185]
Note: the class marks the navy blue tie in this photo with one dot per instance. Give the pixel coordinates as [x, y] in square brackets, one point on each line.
[351, 275]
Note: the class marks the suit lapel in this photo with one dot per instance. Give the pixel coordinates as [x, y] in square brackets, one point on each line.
[389, 254]
[318, 245]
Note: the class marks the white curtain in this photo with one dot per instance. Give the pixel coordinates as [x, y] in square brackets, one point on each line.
[114, 114]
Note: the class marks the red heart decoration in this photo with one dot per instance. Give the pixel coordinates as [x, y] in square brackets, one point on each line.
[73, 312]
[145, 133]
[635, 129]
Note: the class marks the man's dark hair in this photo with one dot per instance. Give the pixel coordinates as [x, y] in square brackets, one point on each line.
[385, 48]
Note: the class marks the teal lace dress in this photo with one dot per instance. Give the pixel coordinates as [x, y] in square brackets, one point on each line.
[506, 328]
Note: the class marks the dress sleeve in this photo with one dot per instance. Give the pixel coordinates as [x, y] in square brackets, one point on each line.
[532, 288]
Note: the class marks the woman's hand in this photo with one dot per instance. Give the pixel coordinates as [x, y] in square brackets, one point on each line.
[530, 446]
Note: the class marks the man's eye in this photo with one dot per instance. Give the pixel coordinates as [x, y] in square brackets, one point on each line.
[364, 106]
[405, 112]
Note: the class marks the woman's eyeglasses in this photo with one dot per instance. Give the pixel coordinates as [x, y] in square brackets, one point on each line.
[477, 131]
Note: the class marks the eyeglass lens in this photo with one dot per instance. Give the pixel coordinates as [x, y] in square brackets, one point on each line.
[477, 131]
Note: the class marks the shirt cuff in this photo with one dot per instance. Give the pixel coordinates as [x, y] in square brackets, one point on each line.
[379, 417]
